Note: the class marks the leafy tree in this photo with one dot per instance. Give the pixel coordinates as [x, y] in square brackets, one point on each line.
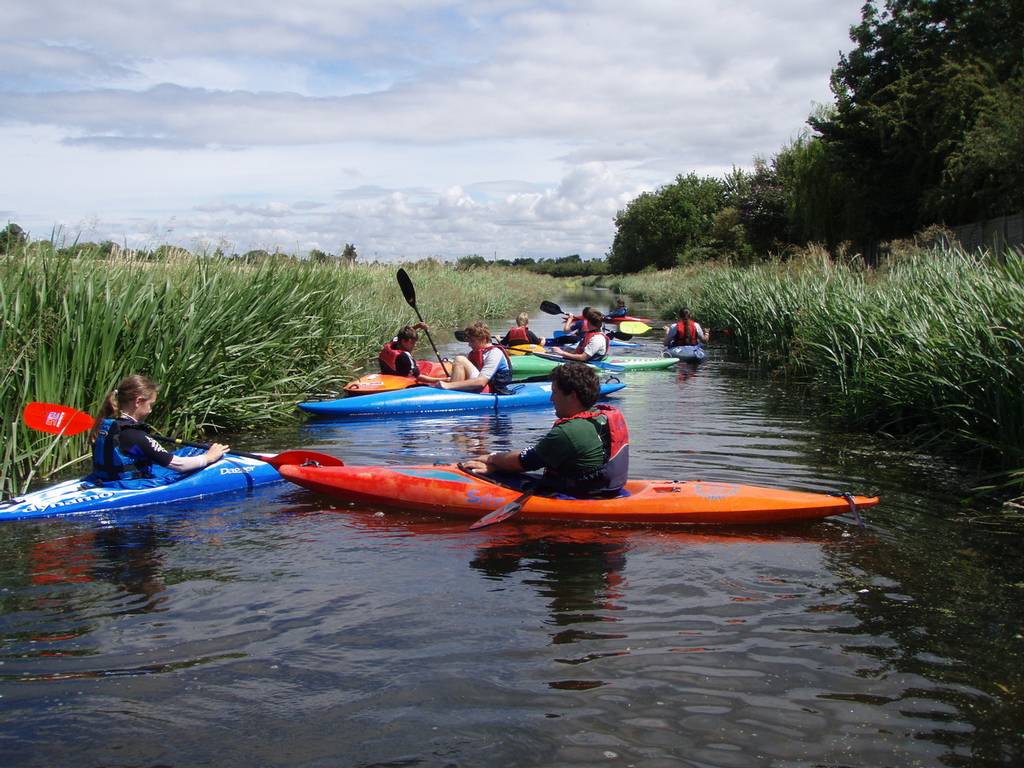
[11, 237]
[348, 254]
[908, 97]
[762, 207]
[319, 257]
[470, 262]
[660, 228]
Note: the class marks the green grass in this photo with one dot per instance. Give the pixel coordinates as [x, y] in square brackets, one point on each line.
[233, 345]
[930, 343]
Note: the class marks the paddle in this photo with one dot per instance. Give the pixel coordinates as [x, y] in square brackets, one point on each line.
[405, 283]
[633, 327]
[502, 513]
[550, 308]
[66, 421]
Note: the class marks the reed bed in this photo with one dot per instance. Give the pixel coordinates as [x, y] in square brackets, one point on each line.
[931, 342]
[234, 345]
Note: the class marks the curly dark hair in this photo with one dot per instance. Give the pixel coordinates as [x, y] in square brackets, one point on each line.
[579, 378]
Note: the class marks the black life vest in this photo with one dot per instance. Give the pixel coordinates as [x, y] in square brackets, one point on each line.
[611, 426]
[686, 334]
[109, 462]
[502, 377]
[586, 340]
[388, 359]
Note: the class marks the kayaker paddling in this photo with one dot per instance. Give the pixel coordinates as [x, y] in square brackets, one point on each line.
[396, 358]
[595, 342]
[124, 455]
[585, 453]
[686, 332]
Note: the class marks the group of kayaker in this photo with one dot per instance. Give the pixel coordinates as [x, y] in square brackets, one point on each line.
[586, 452]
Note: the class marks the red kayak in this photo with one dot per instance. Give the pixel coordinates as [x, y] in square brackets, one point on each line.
[448, 490]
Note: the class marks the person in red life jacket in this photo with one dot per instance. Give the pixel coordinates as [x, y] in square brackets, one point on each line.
[586, 451]
[486, 368]
[521, 334]
[396, 358]
[575, 324]
[123, 453]
[595, 343]
[685, 333]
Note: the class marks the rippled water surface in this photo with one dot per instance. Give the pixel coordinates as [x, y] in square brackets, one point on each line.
[284, 629]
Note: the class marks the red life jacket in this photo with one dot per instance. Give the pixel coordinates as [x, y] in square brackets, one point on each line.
[686, 334]
[586, 340]
[518, 335]
[501, 378]
[615, 436]
[388, 359]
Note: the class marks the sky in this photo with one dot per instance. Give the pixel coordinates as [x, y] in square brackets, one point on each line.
[408, 128]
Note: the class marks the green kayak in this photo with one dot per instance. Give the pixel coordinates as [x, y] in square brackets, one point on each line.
[531, 365]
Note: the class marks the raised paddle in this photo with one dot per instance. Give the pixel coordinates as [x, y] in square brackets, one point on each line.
[405, 283]
[64, 420]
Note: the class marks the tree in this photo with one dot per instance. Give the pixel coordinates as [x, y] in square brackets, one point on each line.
[661, 228]
[11, 237]
[908, 97]
[348, 254]
[319, 257]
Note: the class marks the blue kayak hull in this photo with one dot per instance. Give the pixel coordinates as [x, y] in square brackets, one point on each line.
[230, 474]
[688, 354]
[615, 342]
[430, 400]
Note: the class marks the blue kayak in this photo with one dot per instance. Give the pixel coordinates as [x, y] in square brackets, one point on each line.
[572, 338]
[230, 474]
[687, 353]
[415, 400]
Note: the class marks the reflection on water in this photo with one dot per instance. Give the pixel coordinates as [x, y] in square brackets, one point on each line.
[327, 633]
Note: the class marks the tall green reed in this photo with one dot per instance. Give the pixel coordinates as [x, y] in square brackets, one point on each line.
[931, 342]
[234, 345]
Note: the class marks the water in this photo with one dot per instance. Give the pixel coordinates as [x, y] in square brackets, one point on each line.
[283, 629]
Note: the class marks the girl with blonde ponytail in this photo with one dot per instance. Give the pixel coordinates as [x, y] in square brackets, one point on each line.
[124, 455]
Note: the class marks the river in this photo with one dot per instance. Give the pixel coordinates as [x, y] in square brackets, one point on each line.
[282, 629]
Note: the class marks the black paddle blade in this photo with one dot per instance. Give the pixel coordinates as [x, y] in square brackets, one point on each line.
[550, 308]
[502, 513]
[497, 516]
[460, 335]
[408, 290]
[622, 336]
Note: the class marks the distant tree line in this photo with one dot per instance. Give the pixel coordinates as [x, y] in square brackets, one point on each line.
[13, 236]
[927, 128]
[565, 266]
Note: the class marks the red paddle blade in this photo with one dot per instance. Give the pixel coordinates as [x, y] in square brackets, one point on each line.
[304, 458]
[57, 419]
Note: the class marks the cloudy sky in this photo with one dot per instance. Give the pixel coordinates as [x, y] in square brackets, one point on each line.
[409, 128]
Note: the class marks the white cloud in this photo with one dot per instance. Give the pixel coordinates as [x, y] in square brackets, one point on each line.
[413, 128]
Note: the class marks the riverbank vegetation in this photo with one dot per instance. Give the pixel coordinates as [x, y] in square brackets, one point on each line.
[235, 344]
[931, 342]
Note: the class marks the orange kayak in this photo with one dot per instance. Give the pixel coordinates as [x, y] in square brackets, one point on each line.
[448, 490]
[382, 382]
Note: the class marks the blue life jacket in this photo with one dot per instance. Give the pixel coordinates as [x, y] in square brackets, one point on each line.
[109, 462]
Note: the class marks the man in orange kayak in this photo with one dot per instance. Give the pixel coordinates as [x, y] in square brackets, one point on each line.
[586, 451]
